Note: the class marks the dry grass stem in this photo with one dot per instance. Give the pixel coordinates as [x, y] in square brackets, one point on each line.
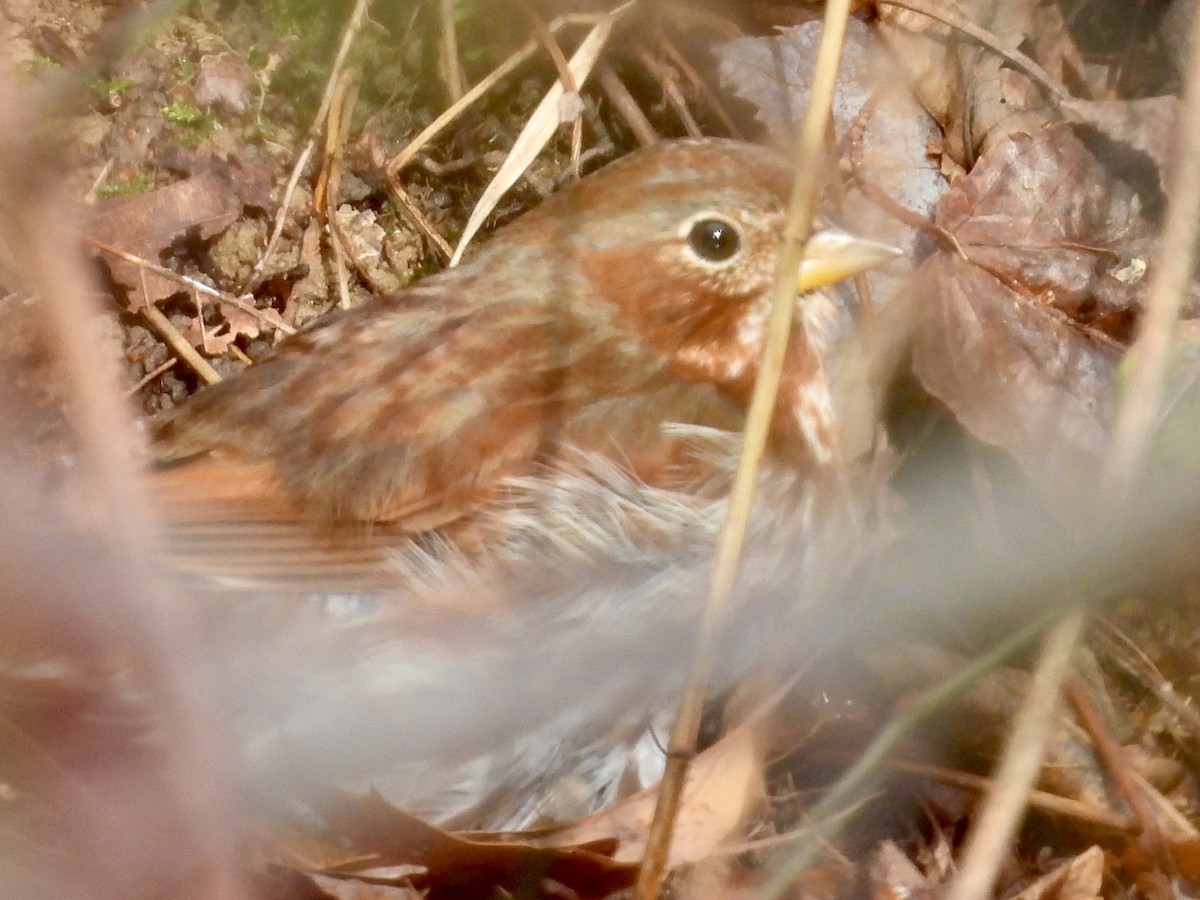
[1168, 285]
[456, 79]
[353, 26]
[326, 201]
[700, 86]
[670, 87]
[994, 828]
[1088, 815]
[417, 216]
[539, 129]
[797, 229]
[546, 39]
[434, 128]
[614, 88]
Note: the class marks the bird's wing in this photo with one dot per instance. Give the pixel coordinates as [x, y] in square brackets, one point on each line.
[405, 413]
[380, 425]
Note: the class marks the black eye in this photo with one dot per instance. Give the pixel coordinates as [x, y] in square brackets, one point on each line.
[714, 239]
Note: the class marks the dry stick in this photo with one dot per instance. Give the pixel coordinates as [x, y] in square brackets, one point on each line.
[160, 369]
[700, 86]
[353, 26]
[455, 79]
[335, 121]
[400, 197]
[1110, 753]
[797, 229]
[986, 39]
[178, 343]
[336, 131]
[199, 286]
[1043, 801]
[90, 197]
[546, 39]
[1168, 284]
[1020, 764]
[404, 157]
[620, 97]
[670, 87]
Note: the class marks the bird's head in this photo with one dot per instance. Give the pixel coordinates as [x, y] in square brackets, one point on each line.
[683, 240]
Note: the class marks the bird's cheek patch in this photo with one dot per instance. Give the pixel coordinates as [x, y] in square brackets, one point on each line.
[690, 321]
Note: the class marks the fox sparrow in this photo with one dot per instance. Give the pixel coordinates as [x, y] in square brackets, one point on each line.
[610, 323]
[575, 383]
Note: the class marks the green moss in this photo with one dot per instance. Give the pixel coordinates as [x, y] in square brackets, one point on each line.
[39, 62]
[135, 183]
[183, 113]
[110, 90]
[184, 70]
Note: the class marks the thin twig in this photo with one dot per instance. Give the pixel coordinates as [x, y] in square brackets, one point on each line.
[336, 131]
[539, 128]
[160, 369]
[614, 88]
[1109, 752]
[222, 296]
[670, 87]
[178, 343]
[856, 144]
[357, 16]
[797, 229]
[1043, 801]
[700, 86]
[417, 217]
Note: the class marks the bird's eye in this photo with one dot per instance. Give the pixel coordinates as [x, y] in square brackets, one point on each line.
[714, 240]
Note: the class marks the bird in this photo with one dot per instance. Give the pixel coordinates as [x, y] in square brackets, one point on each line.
[503, 480]
[606, 331]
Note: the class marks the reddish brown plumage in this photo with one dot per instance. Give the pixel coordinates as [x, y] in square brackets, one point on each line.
[588, 325]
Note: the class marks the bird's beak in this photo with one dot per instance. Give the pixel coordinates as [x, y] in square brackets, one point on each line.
[832, 254]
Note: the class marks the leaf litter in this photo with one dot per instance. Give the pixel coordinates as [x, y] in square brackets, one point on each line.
[1030, 282]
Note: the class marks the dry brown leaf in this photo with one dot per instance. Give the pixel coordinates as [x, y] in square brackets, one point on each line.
[1146, 126]
[238, 322]
[724, 784]
[1075, 879]
[1016, 374]
[148, 224]
[445, 864]
[1022, 338]
[970, 90]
